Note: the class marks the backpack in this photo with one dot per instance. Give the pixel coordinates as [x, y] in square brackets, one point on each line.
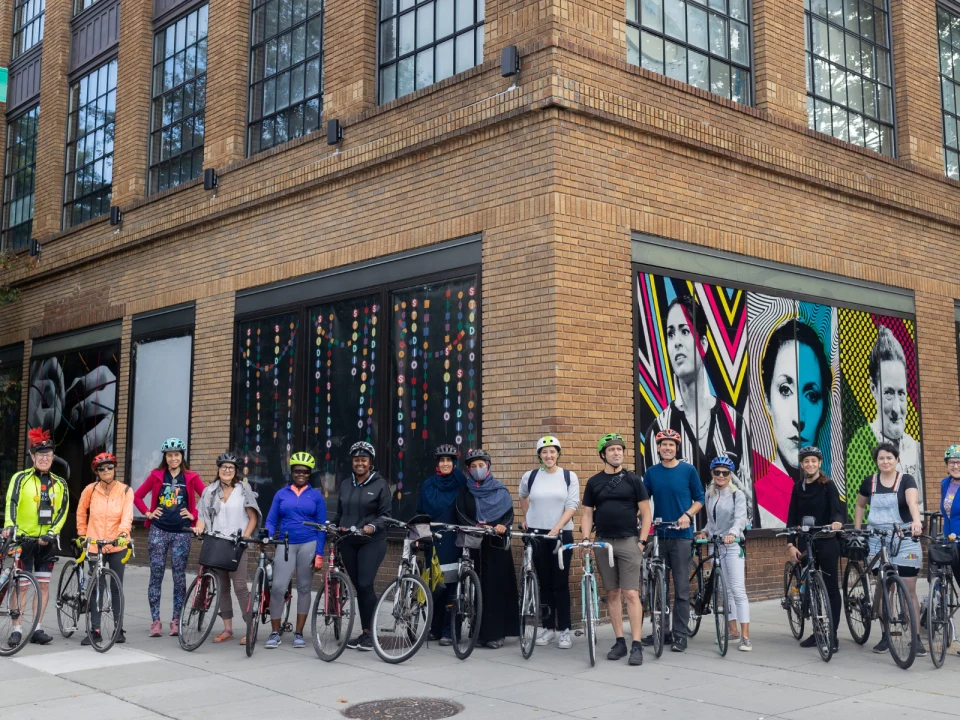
[533, 476]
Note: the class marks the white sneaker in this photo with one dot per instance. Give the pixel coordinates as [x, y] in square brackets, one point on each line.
[746, 645]
[566, 642]
[546, 636]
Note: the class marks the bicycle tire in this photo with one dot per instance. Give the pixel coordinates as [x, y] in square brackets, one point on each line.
[69, 598]
[9, 598]
[109, 579]
[696, 603]
[721, 613]
[405, 634]
[792, 600]
[467, 613]
[901, 621]
[658, 611]
[857, 602]
[202, 603]
[255, 610]
[340, 623]
[590, 616]
[937, 622]
[285, 625]
[821, 615]
[529, 614]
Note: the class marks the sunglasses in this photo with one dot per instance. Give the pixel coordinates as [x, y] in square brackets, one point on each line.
[721, 473]
[301, 472]
[105, 468]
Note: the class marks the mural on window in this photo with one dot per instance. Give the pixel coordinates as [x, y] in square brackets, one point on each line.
[10, 393]
[74, 396]
[756, 377]
[264, 401]
[342, 383]
[434, 392]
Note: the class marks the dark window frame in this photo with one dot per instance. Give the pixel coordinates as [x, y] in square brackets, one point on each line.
[952, 9]
[23, 25]
[9, 182]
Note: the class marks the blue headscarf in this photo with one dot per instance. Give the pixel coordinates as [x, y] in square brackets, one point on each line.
[493, 498]
[439, 493]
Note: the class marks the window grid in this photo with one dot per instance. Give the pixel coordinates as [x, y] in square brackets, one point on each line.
[426, 41]
[89, 176]
[27, 25]
[704, 43]
[179, 100]
[18, 180]
[80, 5]
[849, 72]
[948, 28]
[286, 71]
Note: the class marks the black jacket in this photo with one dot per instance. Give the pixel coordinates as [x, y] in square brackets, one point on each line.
[367, 504]
[819, 500]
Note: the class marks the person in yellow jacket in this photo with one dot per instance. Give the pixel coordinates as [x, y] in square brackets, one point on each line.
[37, 503]
[105, 512]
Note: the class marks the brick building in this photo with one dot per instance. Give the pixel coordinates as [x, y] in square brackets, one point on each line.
[776, 168]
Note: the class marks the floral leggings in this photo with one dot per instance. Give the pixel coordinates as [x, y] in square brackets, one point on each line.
[178, 544]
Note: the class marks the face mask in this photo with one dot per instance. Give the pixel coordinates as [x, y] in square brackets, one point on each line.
[479, 474]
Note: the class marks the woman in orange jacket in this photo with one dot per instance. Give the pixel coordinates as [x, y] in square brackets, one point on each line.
[105, 512]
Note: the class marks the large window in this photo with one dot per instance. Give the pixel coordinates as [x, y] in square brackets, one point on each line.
[18, 180]
[27, 25]
[849, 80]
[89, 177]
[179, 99]
[286, 71]
[11, 372]
[704, 43]
[948, 27]
[424, 42]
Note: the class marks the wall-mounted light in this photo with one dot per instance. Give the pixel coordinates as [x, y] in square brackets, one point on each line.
[210, 179]
[116, 215]
[35, 249]
[509, 61]
[334, 132]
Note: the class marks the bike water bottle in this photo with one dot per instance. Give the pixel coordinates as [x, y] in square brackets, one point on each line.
[4, 575]
[268, 571]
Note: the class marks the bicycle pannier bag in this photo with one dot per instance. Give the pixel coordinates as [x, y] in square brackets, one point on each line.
[940, 554]
[220, 553]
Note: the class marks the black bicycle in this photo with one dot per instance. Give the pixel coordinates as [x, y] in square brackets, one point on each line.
[804, 591]
[19, 597]
[104, 601]
[655, 586]
[530, 591]
[942, 602]
[259, 609]
[710, 595]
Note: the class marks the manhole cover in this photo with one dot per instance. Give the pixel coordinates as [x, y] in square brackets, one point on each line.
[403, 709]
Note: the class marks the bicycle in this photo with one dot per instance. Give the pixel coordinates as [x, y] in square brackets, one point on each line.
[71, 602]
[711, 593]
[804, 591]
[258, 610]
[332, 611]
[654, 575]
[589, 595]
[17, 608]
[530, 592]
[201, 604]
[402, 617]
[104, 598]
[899, 621]
[942, 602]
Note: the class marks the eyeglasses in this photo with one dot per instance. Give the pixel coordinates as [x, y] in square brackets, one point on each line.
[105, 468]
[721, 473]
[953, 463]
[228, 468]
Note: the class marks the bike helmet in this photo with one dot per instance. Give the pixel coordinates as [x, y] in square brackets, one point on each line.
[952, 453]
[103, 458]
[39, 439]
[668, 434]
[173, 445]
[228, 457]
[809, 451]
[476, 454]
[548, 441]
[722, 462]
[301, 458]
[362, 449]
[449, 451]
[608, 440]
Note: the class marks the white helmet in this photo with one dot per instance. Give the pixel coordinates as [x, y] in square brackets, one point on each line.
[548, 441]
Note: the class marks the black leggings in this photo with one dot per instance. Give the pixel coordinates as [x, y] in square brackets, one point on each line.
[828, 561]
[362, 563]
[554, 582]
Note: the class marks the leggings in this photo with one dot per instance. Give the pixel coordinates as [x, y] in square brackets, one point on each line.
[239, 579]
[734, 572]
[828, 561]
[362, 563]
[554, 582]
[178, 544]
[114, 562]
[301, 560]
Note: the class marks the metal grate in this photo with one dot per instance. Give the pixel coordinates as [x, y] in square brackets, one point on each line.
[403, 709]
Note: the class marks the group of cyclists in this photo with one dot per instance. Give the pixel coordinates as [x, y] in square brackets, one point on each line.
[615, 507]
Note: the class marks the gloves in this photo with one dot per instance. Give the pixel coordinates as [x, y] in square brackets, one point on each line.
[122, 541]
[318, 562]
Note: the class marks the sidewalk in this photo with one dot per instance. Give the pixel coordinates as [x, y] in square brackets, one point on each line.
[154, 678]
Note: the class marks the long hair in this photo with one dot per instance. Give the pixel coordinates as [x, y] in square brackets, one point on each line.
[184, 465]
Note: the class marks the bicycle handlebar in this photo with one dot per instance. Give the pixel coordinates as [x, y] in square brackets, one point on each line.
[470, 529]
[586, 544]
[269, 541]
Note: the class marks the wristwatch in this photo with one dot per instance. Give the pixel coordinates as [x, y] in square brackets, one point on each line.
[689, 516]
[643, 542]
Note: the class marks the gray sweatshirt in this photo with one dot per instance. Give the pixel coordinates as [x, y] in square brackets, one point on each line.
[726, 511]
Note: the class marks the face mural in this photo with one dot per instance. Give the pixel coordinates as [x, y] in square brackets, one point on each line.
[756, 377]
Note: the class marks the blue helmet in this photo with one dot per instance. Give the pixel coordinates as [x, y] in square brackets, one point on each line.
[722, 461]
[173, 445]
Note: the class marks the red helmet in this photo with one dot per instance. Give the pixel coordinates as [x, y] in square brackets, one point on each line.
[668, 434]
[103, 458]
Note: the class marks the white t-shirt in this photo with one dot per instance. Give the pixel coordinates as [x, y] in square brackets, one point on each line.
[233, 515]
[550, 497]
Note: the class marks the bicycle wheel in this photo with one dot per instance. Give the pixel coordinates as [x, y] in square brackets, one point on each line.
[255, 610]
[821, 617]
[402, 619]
[901, 620]
[69, 598]
[18, 611]
[202, 604]
[590, 616]
[857, 602]
[792, 600]
[721, 613]
[466, 615]
[529, 614]
[285, 625]
[104, 610]
[696, 602]
[658, 611]
[331, 621]
[938, 633]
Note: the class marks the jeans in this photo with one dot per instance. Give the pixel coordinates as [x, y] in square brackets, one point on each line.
[676, 555]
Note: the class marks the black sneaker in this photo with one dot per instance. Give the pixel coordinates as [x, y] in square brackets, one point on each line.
[920, 649]
[355, 643]
[882, 646]
[40, 638]
[121, 638]
[836, 645]
[365, 642]
[636, 654]
[15, 637]
[679, 645]
[86, 640]
[809, 642]
[434, 636]
[648, 640]
[618, 651]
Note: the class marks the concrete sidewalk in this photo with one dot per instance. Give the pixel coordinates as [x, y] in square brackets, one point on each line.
[153, 678]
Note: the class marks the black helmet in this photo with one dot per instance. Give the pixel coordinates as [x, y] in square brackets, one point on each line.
[808, 451]
[476, 454]
[228, 457]
[447, 450]
[362, 449]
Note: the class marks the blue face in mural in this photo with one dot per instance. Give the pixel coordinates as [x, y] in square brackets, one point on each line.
[796, 401]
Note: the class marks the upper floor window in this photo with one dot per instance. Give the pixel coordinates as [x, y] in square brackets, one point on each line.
[27, 25]
[18, 179]
[89, 171]
[948, 27]
[425, 41]
[849, 77]
[704, 43]
[286, 71]
[80, 5]
[179, 99]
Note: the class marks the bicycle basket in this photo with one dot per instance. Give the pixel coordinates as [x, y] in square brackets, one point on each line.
[220, 553]
[854, 547]
[418, 531]
[471, 541]
[942, 553]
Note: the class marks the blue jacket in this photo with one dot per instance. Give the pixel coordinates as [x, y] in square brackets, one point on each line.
[288, 511]
[950, 524]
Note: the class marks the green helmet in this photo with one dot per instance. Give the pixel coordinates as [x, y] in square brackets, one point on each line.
[303, 458]
[952, 453]
[608, 440]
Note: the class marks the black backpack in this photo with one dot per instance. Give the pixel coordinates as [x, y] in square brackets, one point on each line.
[533, 476]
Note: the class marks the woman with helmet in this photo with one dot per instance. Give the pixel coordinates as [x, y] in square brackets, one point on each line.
[549, 498]
[104, 512]
[293, 505]
[438, 498]
[815, 495]
[949, 502]
[363, 502]
[227, 508]
[727, 516]
[486, 502]
[174, 490]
